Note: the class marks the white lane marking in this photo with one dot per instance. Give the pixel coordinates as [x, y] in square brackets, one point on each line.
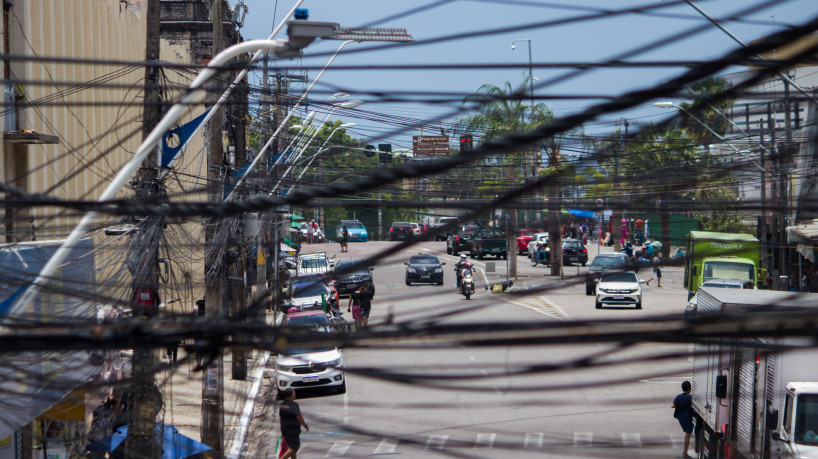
[557, 316]
[667, 379]
[436, 441]
[472, 358]
[533, 440]
[555, 306]
[676, 441]
[583, 438]
[339, 448]
[386, 446]
[632, 439]
[485, 440]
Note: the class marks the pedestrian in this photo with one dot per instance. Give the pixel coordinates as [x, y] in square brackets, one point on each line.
[354, 306]
[657, 271]
[344, 238]
[310, 233]
[683, 412]
[640, 231]
[365, 297]
[289, 414]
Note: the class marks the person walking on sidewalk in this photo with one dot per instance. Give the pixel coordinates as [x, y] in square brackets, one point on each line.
[683, 412]
[354, 306]
[289, 414]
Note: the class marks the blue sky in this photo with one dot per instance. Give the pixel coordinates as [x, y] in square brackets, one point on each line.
[583, 41]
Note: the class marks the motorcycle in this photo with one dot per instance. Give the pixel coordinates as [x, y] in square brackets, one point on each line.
[467, 285]
[540, 257]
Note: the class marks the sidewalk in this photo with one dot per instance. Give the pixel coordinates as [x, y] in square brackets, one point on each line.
[182, 393]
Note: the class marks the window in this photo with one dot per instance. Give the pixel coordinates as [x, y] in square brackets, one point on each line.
[354, 225]
[728, 270]
[787, 424]
[806, 419]
[305, 290]
[619, 277]
[424, 261]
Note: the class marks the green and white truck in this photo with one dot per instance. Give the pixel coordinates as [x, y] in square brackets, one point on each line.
[712, 255]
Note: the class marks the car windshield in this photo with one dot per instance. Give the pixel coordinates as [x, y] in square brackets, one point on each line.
[308, 279]
[608, 261]
[310, 320]
[806, 419]
[344, 266]
[727, 270]
[618, 277]
[314, 263]
[302, 290]
[354, 225]
[424, 261]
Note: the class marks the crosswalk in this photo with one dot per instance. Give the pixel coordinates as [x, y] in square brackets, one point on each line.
[322, 446]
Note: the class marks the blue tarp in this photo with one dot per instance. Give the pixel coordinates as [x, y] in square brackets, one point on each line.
[582, 213]
[174, 445]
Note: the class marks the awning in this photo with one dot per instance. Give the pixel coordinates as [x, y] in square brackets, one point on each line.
[295, 225]
[582, 213]
[805, 235]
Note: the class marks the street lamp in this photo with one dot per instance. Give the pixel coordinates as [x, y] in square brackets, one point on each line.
[530, 68]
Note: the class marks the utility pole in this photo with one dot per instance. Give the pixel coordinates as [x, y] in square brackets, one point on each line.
[616, 216]
[213, 376]
[786, 159]
[145, 400]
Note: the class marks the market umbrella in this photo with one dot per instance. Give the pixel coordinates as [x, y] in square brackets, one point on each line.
[174, 445]
[295, 225]
[296, 217]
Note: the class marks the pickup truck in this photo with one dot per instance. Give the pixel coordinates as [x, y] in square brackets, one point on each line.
[461, 240]
[489, 242]
[443, 221]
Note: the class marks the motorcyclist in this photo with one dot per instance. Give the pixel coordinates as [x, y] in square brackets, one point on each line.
[458, 268]
[541, 254]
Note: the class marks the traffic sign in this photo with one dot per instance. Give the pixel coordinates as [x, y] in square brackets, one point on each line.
[430, 145]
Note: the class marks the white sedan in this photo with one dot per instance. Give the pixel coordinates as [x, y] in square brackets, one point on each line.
[537, 238]
[620, 288]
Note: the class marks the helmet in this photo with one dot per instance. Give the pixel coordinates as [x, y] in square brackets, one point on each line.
[467, 265]
[462, 256]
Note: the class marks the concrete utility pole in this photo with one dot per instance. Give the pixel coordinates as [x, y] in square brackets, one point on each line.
[616, 216]
[213, 376]
[145, 400]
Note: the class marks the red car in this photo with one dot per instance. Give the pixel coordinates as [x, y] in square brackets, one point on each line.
[524, 238]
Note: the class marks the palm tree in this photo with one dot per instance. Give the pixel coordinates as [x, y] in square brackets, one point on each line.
[500, 111]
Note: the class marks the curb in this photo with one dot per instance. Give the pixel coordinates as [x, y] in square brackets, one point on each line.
[244, 423]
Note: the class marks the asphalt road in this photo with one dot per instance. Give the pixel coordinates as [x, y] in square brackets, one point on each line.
[619, 409]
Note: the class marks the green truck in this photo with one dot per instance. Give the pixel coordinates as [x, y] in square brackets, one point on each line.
[488, 242]
[711, 255]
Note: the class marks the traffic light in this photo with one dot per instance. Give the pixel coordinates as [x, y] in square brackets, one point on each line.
[466, 143]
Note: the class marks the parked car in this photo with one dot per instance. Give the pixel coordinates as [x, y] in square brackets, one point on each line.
[538, 238]
[574, 252]
[309, 366]
[619, 287]
[524, 238]
[401, 231]
[312, 278]
[604, 262]
[357, 230]
[416, 229]
[307, 294]
[348, 279]
[424, 268]
[461, 240]
[693, 302]
[315, 263]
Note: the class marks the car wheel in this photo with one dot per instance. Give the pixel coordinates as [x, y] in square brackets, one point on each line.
[584, 263]
[589, 289]
[448, 250]
[639, 304]
[407, 282]
[440, 283]
[598, 305]
[342, 389]
[505, 255]
[455, 252]
[480, 256]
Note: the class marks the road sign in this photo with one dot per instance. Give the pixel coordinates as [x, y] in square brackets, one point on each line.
[430, 145]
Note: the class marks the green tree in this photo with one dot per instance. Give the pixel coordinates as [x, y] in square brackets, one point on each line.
[500, 111]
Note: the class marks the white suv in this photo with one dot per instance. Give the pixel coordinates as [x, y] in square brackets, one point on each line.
[619, 287]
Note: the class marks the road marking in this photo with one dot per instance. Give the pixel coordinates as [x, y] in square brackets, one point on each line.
[539, 304]
[533, 440]
[339, 448]
[583, 438]
[676, 441]
[436, 441]
[386, 446]
[667, 379]
[632, 439]
[485, 440]
[472, 358]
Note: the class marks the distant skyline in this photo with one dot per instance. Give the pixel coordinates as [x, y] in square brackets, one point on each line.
[488, 29]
